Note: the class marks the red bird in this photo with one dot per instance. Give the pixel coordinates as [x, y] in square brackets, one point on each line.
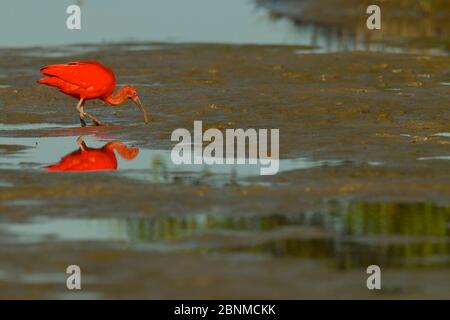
[88, 80]
[91, 159]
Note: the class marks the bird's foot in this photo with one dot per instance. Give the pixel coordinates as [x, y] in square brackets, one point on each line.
[83, 115]
[90, 116]
[97, 122]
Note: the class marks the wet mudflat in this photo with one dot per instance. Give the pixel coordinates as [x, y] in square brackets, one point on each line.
[364, 177]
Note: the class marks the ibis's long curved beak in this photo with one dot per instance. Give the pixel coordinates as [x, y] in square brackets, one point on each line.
[139, 104]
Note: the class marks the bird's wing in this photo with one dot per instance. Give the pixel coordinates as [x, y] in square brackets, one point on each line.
[83, 74]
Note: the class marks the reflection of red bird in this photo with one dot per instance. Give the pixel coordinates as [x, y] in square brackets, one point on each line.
[90, 159]
[88, 80]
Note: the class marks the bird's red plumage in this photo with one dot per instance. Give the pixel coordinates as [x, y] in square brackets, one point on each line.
[86, 160]
[92, 159]
[87, 80]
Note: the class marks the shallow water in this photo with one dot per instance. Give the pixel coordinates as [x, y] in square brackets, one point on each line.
[343, 235]
[151, 165]
[33, 126]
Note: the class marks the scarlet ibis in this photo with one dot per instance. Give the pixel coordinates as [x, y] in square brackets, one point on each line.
[90, 159]
[88, 80]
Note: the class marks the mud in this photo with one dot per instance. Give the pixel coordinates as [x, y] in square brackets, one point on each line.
[366, 135]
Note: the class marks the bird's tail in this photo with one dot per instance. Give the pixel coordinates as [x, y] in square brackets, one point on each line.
[55, 167]
[67, 163]
[50, 81]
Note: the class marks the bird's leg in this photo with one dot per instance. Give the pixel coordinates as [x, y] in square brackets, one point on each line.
[90, 116]
[81, 143]
[80, 110]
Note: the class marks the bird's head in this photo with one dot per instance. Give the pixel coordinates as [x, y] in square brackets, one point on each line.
[132, 94]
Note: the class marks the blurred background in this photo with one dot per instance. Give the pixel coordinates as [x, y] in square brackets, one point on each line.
[328, 25]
